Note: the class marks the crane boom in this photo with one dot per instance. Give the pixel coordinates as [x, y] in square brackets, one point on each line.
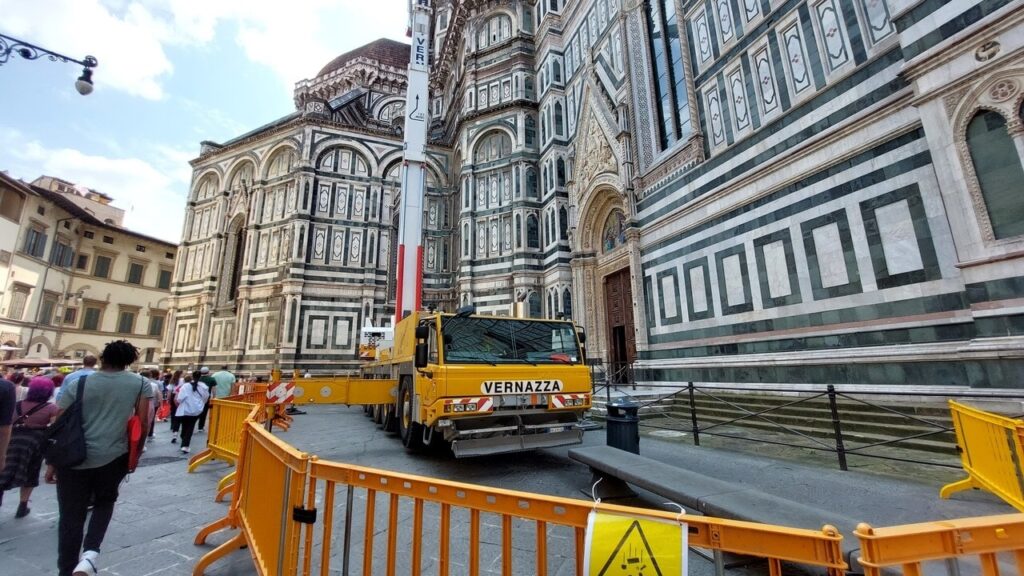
[410, 215]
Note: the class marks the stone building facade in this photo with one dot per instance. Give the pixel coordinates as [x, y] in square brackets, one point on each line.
[70, 281]
[772, 191]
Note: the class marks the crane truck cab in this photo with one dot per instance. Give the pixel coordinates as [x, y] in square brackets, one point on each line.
[486, 384]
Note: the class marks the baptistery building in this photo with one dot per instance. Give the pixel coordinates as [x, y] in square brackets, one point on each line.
[733, 191]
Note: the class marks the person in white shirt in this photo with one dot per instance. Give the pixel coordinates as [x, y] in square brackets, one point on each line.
[192, 397]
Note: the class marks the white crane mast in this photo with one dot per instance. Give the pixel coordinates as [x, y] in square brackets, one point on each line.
[414, 168]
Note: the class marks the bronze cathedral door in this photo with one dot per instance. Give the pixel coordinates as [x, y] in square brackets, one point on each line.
[618, 297]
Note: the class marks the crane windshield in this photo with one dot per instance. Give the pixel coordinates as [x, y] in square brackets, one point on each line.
[475, 339]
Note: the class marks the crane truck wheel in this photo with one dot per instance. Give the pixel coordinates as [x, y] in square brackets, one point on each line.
[410, 431]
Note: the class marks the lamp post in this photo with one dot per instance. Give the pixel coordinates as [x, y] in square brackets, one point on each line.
[13, 47]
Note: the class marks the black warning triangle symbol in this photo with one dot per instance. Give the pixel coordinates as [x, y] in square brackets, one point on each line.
[632, 555]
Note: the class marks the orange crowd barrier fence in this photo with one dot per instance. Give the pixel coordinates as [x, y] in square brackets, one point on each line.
[300, 515]
[912, 547]
[991, 452]
[224, 441]
[277, 489]
[269, 487]
[548, 528]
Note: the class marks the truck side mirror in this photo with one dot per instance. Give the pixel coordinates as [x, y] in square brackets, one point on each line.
[422, 332]
[421, 355]
[582, 336]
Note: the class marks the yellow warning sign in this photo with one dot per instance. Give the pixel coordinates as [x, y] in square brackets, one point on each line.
[629, 546]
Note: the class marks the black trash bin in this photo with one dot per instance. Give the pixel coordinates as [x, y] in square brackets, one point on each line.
[623, 425]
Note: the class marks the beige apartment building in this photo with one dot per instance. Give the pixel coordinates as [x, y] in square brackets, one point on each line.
[71, 278]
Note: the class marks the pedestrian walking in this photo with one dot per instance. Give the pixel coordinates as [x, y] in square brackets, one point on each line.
[25, 452]
[205, 378]
[192, 398]
[7, 402]
[88, 367]
[172, 398]
[225, 381]
[110, 397]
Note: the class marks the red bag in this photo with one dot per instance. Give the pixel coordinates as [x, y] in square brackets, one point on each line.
[134, 448]
[134, 432]
[164, 411]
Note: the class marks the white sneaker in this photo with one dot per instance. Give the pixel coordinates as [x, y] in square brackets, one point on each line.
[87, 565]
[184, 450]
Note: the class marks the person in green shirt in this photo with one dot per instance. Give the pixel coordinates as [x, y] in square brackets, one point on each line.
[225, 380]
[109, 397]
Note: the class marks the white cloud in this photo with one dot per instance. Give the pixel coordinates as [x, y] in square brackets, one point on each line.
[152, 192]
[131, 38]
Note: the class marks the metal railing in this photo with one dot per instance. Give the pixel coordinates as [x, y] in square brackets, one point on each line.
[833, 405]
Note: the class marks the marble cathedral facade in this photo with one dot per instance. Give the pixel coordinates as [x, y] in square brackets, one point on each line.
[735, 191]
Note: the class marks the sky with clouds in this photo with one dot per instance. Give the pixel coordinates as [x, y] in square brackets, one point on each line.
[171, 73]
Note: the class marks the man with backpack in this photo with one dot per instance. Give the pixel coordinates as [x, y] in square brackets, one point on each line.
[108, 398]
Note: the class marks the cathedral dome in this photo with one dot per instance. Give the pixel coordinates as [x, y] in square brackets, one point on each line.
[384, 50]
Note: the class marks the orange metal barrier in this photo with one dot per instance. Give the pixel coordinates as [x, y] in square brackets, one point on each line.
[225, 439]
[911, 545]
[271, 482]
[991, 452]
[548, 514]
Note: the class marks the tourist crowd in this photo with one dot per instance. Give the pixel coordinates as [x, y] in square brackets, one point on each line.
[106, 398]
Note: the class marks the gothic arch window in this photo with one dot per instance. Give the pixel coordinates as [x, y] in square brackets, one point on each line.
[533, 303]
[281, 163]
[531, 130]
[207, 187]
[465, 240]
[519, 231]
[344, 160]
[563, 224]
[547, 229]
[613, 234]
[556, 72]
[999, 173]
[567, 303]
[234, 260]
[560, 169]
[494, 30]
[666, 52]
[532, 232]
[553, 5]
[559, 119]
[531, 182]
[242, 176]
[494, 146]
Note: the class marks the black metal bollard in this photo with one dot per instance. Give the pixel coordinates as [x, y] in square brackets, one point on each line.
[623, 425]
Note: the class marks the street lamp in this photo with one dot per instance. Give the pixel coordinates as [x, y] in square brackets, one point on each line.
[13, 47]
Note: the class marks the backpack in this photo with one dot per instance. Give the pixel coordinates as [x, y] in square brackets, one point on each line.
[64, 446]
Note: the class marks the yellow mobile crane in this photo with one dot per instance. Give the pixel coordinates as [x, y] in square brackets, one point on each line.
[484, 384]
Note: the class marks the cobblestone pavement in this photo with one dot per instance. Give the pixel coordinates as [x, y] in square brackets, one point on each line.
[162, 507]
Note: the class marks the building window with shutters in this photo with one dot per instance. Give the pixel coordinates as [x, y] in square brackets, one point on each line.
[156, 325]
[48, 310]
[135, 273]
[102, 267]
[19, 299]
[62, 254]
[126, 321]
[35, 243]
[164, 279]
[70, 316]
[92, 318]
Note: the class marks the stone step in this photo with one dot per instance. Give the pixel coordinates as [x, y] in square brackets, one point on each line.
[823, 422]
[820, 411]
[827, 436]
